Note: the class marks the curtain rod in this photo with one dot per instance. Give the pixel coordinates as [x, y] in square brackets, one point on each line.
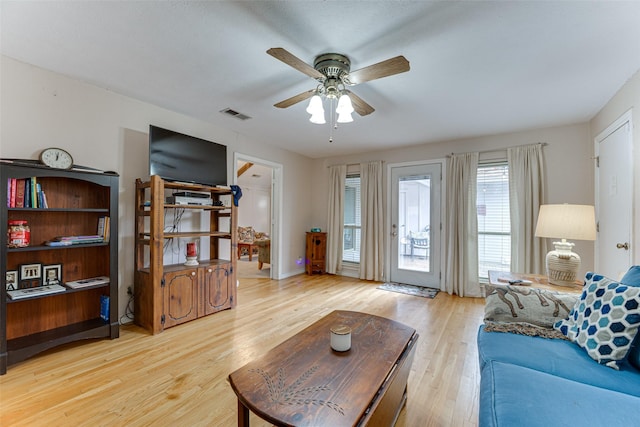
[544, 144]
[348, 164]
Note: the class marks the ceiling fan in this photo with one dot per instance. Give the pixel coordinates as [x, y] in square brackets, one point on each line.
[334, 75]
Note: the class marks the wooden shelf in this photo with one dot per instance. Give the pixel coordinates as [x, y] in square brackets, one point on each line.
[186, 234]
[29, 345]
[76, 199]
[168, 295]
[67, 291]
[55, 248]
[57, 210]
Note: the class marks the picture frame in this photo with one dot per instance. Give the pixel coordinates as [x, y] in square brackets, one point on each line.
[11, 280]
[30, 275]
[52, 274]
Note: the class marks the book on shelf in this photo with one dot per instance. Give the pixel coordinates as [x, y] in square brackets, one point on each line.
[25, 193]
[34, 192]
[56, 243]
[34, 292]
[92, 281]
[101, 221]
[104, 307]
[45, 204]
[19, 196]
[39, 194]
[74, 240]
[104, 225]
[12, 184]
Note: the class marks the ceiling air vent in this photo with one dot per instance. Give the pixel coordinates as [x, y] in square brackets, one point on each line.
[234, 113]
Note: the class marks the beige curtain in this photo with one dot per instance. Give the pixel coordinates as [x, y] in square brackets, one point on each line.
[372, 221]
[526, 194]
[461, 236]
[335, 217]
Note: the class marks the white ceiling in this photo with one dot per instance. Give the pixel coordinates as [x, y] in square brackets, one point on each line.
[257, 176]
[477, 68]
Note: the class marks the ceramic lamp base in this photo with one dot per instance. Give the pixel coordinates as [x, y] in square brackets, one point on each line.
[562, 264]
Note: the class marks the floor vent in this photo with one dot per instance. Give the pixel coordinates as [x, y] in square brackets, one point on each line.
[234, 113]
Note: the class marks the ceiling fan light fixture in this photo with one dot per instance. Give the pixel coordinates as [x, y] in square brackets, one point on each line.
[344, 118]
[333, 73]
[318, 118]
[344, 106]
[315, 105]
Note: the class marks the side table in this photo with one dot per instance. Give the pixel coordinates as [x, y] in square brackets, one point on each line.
[537, 281]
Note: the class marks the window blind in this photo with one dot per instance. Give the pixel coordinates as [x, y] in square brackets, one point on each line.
[351, 241]
[494, 222]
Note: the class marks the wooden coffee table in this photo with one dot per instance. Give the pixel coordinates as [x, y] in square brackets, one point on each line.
[303, 382]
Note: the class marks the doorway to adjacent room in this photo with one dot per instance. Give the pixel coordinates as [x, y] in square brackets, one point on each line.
[258, 216]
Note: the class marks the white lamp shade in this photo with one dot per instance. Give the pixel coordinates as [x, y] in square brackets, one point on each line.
[573, 222]
[315, 105]
[344, 106]
[344, 118]
[318, 118]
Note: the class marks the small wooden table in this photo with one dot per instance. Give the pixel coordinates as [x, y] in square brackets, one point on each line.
[303, 382]
[537, 281]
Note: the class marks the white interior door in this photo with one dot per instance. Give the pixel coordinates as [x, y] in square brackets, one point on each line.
[614, 199]
[415, 224]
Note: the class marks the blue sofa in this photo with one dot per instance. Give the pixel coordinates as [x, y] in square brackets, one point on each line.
[535, 381]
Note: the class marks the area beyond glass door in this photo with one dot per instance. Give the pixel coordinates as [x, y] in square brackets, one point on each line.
[415, 224]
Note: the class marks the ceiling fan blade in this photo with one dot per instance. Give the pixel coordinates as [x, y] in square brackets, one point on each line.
[392, 66]
[295, 62]
[295, 99]
[359, 104]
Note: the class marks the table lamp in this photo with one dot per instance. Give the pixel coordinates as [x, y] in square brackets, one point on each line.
[575, 222]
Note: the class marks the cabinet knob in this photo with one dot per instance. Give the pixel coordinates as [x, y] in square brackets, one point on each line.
[193, 273]
[209, 270]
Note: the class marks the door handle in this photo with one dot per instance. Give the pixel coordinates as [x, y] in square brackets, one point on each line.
[624, 246]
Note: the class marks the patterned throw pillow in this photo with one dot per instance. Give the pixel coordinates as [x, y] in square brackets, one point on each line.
[525, 310]
[605, 320]
[245, 234]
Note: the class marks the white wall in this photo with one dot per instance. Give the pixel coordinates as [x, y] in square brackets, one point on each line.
[627, 98]
[259, 216]
[108, 131]
[567, 159]
[256, 195]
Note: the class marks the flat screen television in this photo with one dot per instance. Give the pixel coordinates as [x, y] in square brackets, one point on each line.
[178, 157]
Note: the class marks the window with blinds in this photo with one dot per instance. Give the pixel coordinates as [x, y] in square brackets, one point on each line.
[351, 240]
[494, 222]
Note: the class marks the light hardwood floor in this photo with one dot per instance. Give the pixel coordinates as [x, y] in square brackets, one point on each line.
[179, 377]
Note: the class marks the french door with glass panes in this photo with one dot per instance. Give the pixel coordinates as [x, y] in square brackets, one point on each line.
[415, 224]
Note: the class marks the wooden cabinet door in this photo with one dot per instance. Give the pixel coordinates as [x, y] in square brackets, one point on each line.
[316, 252]
[180, 297]
[319, 246]
[217, 291]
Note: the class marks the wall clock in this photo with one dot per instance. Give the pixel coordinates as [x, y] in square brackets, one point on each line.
[56, 158]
